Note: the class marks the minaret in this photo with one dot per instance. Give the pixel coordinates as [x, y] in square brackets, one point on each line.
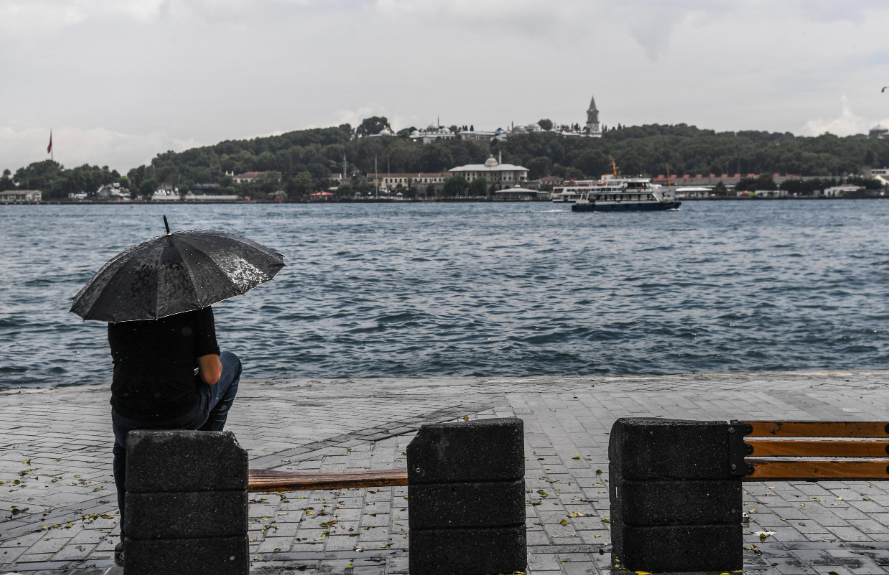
[500, 156]
[592, 117]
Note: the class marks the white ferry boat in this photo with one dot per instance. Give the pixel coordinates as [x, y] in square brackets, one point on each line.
[614, 193]
[570, 193]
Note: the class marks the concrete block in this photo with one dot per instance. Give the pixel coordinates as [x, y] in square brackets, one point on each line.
[206, 556]
[488, 504]
[186, 515]
[480, 450]
[467, 551]
[678, 547]
[655, 448]
[168, 461]
[692, 502]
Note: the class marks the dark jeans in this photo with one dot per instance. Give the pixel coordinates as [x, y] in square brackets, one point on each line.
[209, 415]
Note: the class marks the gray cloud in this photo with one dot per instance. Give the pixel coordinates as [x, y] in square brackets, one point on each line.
[120, 80]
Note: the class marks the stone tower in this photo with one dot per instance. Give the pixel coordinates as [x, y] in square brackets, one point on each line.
[592, 117]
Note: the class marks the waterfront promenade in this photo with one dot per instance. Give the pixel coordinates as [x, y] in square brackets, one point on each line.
[58, 509]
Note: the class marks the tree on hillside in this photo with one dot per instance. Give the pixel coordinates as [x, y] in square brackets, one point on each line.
[637, 149]
[136, 175]
[436, 158]
[147, 187]
[539, 167]
[455, 186]
[478, 188]
[344, 190]
[371, 126]
[546, 124]
[6, 182]
[574, 174]
[301, 185]
[719, 189]
[765, 182]
[745, 185]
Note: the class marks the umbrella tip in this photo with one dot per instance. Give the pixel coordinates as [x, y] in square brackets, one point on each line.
[166, 225]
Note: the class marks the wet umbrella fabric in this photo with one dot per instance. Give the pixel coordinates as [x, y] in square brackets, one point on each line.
[175, 273]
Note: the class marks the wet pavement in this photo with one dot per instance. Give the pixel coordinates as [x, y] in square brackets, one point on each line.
[57, 499]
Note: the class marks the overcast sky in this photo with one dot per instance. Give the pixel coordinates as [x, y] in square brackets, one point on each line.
[120, 80]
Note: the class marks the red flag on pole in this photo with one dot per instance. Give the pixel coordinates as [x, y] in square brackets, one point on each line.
[49, 147]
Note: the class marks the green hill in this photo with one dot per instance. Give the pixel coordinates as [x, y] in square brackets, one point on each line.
[302, 161]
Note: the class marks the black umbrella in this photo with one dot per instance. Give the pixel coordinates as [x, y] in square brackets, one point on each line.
[175, 273]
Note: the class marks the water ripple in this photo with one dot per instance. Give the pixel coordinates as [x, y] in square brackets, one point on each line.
[482, 289]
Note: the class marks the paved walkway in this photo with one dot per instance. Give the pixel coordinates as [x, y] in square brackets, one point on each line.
[57, 498]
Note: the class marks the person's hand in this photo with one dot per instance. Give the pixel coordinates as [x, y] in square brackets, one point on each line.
[211, 368]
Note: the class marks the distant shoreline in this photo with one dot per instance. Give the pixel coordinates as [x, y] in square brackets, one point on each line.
[383, 201]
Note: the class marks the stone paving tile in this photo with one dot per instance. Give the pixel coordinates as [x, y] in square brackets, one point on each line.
[56, 444]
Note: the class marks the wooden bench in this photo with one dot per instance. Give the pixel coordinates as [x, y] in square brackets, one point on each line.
[261, 480]
[675, 486]
[775, 450]
[815, 450]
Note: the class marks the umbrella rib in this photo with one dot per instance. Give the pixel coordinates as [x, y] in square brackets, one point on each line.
[160, 272]
[212, 236]
[212, 261]
[190, 275]
[107, 283]
[267, 251]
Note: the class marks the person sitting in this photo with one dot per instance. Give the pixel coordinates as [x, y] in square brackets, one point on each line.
[168, 374]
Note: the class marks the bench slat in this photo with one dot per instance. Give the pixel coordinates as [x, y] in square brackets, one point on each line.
[270, 480]
[818, 428]
[764, 469]
[823, 448]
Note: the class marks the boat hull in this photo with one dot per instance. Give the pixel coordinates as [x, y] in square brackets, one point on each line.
[627, 207]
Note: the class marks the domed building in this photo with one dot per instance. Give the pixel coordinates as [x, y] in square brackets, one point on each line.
[879, 132]
[496, 173]
[432, 133]
[384, 132]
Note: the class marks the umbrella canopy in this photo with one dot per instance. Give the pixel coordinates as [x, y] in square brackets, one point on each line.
[175, 273]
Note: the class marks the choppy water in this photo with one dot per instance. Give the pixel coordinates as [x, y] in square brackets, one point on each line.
[482, 289]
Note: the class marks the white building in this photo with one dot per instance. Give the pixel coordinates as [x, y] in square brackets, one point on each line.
[388, 182]
[478, 136]
[881, 175]
[20, 196]
[839, 191]
[112, 191]
[530, 128]
[189, 197]
[384, 132]
[247, 177]
[496, 173]
[432, 133]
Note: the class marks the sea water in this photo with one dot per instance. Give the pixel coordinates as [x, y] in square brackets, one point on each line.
[489, 289]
